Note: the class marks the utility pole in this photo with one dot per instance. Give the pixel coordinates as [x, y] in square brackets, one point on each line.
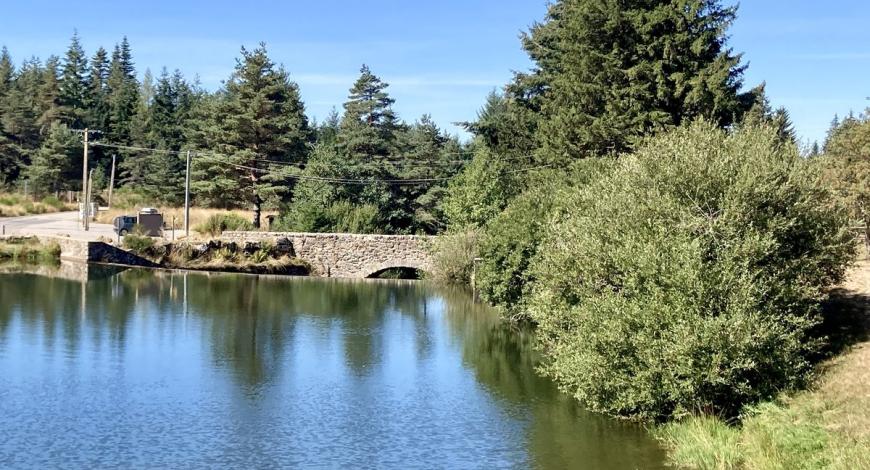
[85, 188]
[112, 180]
[187, 198]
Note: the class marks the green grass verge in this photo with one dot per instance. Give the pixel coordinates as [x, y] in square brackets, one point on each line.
[825, 428]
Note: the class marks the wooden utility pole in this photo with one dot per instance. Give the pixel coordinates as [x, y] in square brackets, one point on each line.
[112, 180]
[85, 184]
[187, 198]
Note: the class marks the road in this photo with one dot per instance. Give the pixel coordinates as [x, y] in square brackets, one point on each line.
[59, 223]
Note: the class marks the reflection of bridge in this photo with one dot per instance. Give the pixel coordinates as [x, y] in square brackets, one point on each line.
[347, 255]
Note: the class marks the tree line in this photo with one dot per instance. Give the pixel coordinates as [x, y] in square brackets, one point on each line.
[254, 146]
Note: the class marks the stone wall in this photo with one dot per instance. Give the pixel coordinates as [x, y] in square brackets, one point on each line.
[347, 255]
[94, 251]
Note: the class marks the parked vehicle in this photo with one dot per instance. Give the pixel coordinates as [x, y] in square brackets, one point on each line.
[149, 220]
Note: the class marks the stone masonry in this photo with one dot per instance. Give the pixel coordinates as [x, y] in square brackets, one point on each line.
[347, 255]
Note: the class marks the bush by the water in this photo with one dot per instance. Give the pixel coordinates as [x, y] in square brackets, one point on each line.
[219, 223]
[688, 277]
[512, 238]
[453, 257]
[138, 243]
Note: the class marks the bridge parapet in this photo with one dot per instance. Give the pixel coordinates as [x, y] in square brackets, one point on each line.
[348, 255]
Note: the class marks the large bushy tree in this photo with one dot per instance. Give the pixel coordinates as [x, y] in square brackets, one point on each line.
[258, 128]
[610, 71]
[689, 277]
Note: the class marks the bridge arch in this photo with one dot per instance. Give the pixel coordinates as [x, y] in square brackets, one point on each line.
[347, 255]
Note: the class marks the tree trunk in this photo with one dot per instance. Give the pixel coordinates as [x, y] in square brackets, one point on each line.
[258, 201]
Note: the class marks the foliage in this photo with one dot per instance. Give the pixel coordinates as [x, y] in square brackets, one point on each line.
[846, 165]
[258, 120]
[53, 164]
[608, 72]
[481, 191]
[137, 243]
[511, 240]
[219, 223]
[688, 278]
[453, 256]
[29, 251]
[822, 428]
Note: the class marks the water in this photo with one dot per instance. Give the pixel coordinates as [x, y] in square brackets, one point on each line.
[150, 369]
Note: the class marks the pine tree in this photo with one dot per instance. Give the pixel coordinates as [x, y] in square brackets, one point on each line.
[429, 154]
[761, 113]
[610, 71]
[98, 100]
[50, 106]
[74, 90]
[259, 119]
[123, 94]
[21, 108]
[54, 164]
[7, 72]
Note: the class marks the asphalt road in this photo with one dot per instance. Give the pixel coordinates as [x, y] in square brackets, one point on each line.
[59, 223]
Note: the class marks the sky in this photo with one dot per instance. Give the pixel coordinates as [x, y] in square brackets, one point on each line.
[440, 58]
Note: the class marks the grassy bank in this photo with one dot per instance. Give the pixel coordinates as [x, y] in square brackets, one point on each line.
[217, 256]
[28, 251]
[16, 205]
[827, 426]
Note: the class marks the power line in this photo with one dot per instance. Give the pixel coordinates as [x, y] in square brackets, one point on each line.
[220, 159]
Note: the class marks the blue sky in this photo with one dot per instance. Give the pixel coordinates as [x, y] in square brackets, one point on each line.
[440, 58]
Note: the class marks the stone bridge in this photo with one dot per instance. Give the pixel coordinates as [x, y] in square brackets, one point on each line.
[348, 255]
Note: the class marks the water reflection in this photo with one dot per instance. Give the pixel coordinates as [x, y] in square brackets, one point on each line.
[168, 369]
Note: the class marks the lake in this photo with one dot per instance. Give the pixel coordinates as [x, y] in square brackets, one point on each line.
[158, 369]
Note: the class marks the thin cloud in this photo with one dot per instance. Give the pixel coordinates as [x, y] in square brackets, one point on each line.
[834, 56]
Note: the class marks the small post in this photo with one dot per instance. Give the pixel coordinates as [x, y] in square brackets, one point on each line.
[90, 196]
[474, 277]
[112, 181]
[187, 198]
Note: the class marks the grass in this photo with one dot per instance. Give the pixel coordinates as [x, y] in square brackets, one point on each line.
[826, 427]
[16, 205]
[198, 216]
[225, 258]
[28, 251]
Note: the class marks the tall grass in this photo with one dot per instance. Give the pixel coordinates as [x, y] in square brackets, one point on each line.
[828, 427]
[16, 205]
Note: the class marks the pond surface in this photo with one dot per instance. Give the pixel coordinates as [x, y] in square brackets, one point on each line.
[151, 369]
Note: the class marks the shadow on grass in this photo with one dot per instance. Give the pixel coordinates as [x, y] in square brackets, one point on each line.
[845, 321]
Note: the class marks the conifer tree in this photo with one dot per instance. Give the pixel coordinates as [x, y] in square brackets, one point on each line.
[98, 100]
[74, 90]
[54, 164]
[50, 106]
[20, 108]
[609, 71]
[258, 124]
[123, 94]
[7, 72]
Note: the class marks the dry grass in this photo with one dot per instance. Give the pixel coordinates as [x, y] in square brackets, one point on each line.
[197, 215]
[825, 427]
[16, 205]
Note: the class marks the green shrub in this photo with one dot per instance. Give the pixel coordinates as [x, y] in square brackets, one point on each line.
[219, 223]
[10, 199]
[511, 239]
[481, 191]
[137, 243]
[53, 201]
[338, 216]
[261, 256]
[688, 278]
[453, 257]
